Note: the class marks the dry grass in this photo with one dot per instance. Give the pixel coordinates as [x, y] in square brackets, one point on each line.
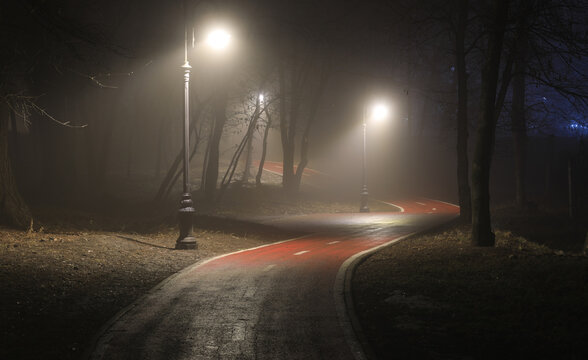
[63, 281]
[437, 297]
[58, 289]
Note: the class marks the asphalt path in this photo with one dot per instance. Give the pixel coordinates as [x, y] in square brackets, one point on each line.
[287, 300]
[280, 301]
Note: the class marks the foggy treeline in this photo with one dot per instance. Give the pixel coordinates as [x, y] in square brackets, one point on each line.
[92, 101]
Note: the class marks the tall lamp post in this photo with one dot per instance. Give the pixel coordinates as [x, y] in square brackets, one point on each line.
[218, 40]
[186, 240]
[375, 112]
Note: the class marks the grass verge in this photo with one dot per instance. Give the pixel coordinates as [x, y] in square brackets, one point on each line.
[79, 267]
[436, 297]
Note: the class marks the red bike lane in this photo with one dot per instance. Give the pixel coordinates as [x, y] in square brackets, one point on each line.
[279, 301]
[285, 300]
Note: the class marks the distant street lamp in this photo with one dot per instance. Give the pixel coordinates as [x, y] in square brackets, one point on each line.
[218, 40]
[376, 112]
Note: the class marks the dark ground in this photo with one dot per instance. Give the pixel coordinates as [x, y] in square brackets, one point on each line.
[433, 296]
[436, 297]
[63, 281]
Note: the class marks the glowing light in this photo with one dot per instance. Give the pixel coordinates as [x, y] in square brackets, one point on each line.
[261, 97]
[380, 112]
[578, 126]
[218, 39]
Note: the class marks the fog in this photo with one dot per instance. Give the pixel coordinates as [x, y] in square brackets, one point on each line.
[123, 110]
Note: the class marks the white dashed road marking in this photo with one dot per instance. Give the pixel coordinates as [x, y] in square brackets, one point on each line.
[333, 242]
[420, 203]
[302, 252]
[269, 267]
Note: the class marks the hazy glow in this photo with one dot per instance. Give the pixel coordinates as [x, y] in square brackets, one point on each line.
[218, 39]
[261, 98]
[379, 112]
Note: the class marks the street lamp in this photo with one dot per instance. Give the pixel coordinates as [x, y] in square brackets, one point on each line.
[375, 112]
[218, 40]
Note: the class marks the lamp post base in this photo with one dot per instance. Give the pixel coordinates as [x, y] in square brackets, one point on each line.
[186, 240]
[364, 200]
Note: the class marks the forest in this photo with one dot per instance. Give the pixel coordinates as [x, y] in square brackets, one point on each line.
[92, 99]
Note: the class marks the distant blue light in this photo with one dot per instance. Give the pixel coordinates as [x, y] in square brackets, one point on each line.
[576, 126]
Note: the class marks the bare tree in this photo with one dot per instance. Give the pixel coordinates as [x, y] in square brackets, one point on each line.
[210, 178]
[549, 51]
[267, 126]
[175, 169]
[29, 61]
[13, 209]
[246, 142]
[495, 25]
[463, 182]
[303, 77]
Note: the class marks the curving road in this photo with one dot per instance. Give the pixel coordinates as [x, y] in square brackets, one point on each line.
[280, 301]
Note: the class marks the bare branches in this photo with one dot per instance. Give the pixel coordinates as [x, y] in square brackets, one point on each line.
[23, 106]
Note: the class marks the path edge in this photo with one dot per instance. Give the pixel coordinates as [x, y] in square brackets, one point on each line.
[348, 319]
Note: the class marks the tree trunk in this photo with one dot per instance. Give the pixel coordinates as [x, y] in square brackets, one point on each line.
[304, 145]
[463, 181]
[264, 148]
[220, 118]
[250, 136]
[248, 159]
[13, 209]
[227, 178]
[173, 172]
[482, 234]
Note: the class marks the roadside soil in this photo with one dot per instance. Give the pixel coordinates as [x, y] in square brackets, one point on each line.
[59, 288]
[64, 279]
[434, 296]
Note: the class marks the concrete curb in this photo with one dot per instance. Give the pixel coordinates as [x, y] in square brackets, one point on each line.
[348, 319]
[354, 334]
